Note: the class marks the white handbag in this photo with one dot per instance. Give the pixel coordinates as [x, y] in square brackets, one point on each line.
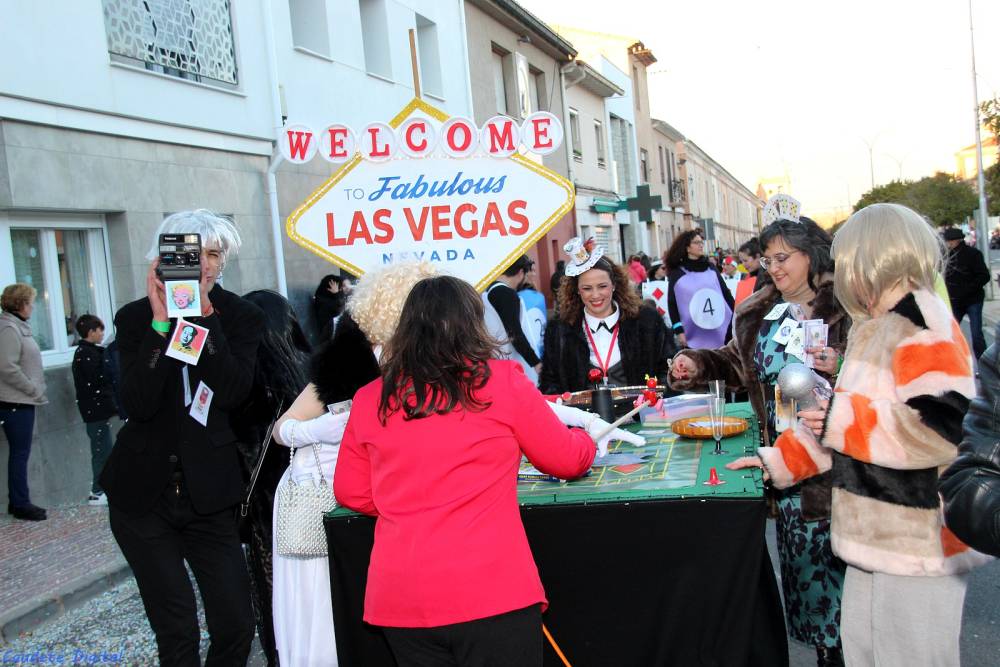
[301, 506]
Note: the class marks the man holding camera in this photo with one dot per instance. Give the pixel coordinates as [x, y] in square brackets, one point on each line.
[173, 478]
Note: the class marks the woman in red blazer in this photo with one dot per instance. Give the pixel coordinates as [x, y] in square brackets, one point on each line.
[432, 449]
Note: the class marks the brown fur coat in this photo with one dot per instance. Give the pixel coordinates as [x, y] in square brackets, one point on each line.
[734, 363]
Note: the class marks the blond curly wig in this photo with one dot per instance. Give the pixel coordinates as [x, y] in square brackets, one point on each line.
[377, 299]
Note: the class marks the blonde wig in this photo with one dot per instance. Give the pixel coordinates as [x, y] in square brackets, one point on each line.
[377, 299]
[879, 247]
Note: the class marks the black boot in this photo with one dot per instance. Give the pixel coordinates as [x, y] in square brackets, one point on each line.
[829, 657]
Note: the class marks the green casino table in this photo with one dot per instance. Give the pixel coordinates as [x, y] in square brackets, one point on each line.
[642, 562]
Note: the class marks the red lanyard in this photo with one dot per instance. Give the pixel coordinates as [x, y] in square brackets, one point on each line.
[603, 365]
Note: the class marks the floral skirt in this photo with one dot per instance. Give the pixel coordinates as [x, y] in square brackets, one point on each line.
[812, 577]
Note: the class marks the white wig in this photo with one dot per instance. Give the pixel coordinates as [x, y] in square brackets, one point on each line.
[214, 229]
[377, 300]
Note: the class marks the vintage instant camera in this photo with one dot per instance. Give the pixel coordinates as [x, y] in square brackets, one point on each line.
[180, 257]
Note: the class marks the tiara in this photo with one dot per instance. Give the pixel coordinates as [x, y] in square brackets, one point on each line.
[781, 207]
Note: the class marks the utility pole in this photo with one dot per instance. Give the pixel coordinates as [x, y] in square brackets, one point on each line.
[982, 236]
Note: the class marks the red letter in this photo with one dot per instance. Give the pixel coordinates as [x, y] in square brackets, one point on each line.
[541, 133]
[452, 131]
[385, 229]
[515, 211]
[376, 151]
[492, 220]
[331, 236]
[416, 148]
[439, 220]
[504, 134]
[416, 229]
[359, 229]
[296, 147]
[337, 135]
[462, 231]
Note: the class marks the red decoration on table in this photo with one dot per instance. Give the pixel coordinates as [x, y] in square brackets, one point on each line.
[713, 478]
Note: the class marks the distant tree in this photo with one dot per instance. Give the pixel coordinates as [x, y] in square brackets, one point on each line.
[894, 191]
[992, 176]
[990, 111]
[944, 199]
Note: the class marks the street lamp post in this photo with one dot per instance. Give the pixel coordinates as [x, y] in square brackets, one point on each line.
[982, 238]
[871, 159]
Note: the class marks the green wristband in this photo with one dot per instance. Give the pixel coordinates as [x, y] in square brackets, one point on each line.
[162, 327]
[840, 363]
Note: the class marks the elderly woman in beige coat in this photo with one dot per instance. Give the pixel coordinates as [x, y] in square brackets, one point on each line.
[22, 387]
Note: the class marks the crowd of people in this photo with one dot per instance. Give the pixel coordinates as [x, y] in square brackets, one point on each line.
[423, 395]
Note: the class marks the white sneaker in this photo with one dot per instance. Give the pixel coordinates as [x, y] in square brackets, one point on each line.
[97, 499]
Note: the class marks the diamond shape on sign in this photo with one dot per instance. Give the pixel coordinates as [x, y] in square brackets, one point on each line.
[627, 468]
[658, 294]
[471, 217]
[660, 311]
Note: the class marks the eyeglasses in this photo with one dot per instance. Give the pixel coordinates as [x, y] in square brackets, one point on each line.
[698, 242]
[767, 263]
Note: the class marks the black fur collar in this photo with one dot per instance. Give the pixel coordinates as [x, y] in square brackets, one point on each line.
[343, 365]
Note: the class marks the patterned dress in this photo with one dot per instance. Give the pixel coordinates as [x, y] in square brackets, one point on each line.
[812, 577]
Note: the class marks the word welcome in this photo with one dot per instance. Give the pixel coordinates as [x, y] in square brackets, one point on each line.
[417, 137]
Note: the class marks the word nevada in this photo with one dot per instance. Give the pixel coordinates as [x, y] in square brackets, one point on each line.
[418, 137]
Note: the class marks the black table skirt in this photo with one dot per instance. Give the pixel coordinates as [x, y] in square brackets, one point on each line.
[673, 582]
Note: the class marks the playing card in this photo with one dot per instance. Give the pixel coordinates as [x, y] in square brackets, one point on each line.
[796, 343]
[784, 411]
[776, 312]
[784, 332]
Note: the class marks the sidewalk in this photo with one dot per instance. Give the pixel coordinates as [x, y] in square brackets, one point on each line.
[49, 567]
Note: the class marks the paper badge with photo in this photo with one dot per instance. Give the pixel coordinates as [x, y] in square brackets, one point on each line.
[187, 342]
[183, 298]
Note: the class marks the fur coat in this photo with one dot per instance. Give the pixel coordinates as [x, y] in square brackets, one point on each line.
[343, 365]
[645, 344]
[734, 363]
[894, 423]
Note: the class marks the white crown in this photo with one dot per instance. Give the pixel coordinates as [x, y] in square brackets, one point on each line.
[782, 207]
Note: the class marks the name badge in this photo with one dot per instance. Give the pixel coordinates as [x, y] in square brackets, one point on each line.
[201, 403]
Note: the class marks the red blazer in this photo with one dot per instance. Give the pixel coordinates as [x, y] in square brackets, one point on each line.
[449, 542]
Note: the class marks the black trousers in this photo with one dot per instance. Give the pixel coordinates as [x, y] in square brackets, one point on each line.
[504, 640]
[156, 545]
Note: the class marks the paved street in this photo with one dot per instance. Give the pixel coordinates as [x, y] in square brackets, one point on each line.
[113, 622]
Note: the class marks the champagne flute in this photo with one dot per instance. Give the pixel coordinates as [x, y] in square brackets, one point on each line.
[717, 413]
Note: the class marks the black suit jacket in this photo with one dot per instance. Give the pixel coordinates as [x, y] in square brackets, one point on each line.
[160, 434]
[644, 341]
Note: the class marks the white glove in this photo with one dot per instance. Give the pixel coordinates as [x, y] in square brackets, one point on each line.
[599, 426]
[326, 428]
[572, 416]
[594, 426]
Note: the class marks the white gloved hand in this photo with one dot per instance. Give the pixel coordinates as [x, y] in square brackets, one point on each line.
[326, 428]
[599, 426]
[571, 416]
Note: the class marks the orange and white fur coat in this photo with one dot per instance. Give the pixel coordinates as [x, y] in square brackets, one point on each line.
[893, 425]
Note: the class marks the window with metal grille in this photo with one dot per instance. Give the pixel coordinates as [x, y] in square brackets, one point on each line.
[189, 39]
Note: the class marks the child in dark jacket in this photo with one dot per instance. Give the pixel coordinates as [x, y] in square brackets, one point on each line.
[94, 397]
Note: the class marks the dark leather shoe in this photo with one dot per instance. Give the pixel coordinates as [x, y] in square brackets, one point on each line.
[28, 512]
[829, 657]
